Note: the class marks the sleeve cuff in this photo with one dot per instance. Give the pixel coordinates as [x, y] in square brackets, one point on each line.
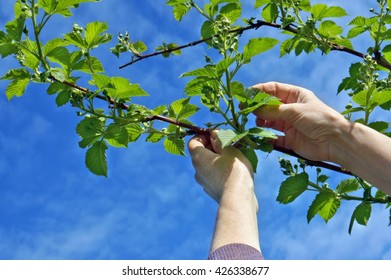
[236, 251]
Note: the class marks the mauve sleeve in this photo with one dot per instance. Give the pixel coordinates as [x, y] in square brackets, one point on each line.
[236, 251]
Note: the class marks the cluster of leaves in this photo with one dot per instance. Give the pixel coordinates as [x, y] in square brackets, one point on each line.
[111, 118]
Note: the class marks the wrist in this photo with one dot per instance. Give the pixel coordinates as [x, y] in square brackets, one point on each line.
[341, 143]
[240, 198]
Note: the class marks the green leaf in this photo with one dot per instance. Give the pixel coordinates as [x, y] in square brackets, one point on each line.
[216, 2]
[117, 135]
[358, 21]
[223, 66]
[141, 47]
[258, 46]
[318, 10]
[93, 35]
[228, 137]
[134, 132]
[59, 55]
[260, 3]
[17, 73]
[15, 28]
[231, 11]
[155, 137]
[252, 157]
[207, 30]
[347, 186]
[322, 178]
[260, 132]
[29, 50]
[180, 8]
[319, 202]
[321, 11]
[90, 130]
[101, 81]
[181, 109]
[58, 74]
[208, 72]
[61, 7]
[361, 214]
[195, 86]
[56, 87]
[175, 145]
[379, 126]
[7, 47]
[329, 28]
[329, 208]
[188, 111]
[237, 88]
[91, 65]
[355, 31]
[123, 89]
[381, 97]
[96, 159]
[361, 98]
[178, 105]
[305, 5]
[118, 87]
[270, 12]
[75, 39]
[251, 103]
[344, 42]
[63, 98]
[292, 188]
[334, 12]
[387, 53]
[17, 88]
[287, 46]
[52, 45]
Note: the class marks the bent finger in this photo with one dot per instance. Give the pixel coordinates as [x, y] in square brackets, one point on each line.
[285, 92]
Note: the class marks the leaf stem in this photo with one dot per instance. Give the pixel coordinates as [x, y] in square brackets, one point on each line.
[37, 39]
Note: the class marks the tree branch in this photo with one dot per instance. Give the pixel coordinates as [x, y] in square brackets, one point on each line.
[313, 163]
[254, 26]
[199, 130]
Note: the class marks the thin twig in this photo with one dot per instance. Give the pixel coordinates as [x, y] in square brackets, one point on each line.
[191, 128]
[313, 163]
[259, 23]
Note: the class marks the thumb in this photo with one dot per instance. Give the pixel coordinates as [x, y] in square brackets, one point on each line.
[216, 142]
[276, 112]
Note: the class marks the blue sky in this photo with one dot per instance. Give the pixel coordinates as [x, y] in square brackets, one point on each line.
[150, 206]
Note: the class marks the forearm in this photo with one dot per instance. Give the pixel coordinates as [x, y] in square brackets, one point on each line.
[366, 153]
[237, 220]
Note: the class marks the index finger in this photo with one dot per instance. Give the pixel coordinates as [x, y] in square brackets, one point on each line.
[285, 92]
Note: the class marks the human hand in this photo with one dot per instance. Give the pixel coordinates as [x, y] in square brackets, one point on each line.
[309, 125]
[225, 174]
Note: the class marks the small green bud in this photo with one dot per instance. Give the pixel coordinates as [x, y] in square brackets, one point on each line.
[318, 170]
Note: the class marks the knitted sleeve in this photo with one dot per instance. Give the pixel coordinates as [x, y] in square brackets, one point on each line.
[236, 251]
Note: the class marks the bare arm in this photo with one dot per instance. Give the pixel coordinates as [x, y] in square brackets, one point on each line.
[366, 153]
[227, 176]
[317, 132]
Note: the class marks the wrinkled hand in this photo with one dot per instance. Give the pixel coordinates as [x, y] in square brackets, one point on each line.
[221, 172]
[309, 125]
